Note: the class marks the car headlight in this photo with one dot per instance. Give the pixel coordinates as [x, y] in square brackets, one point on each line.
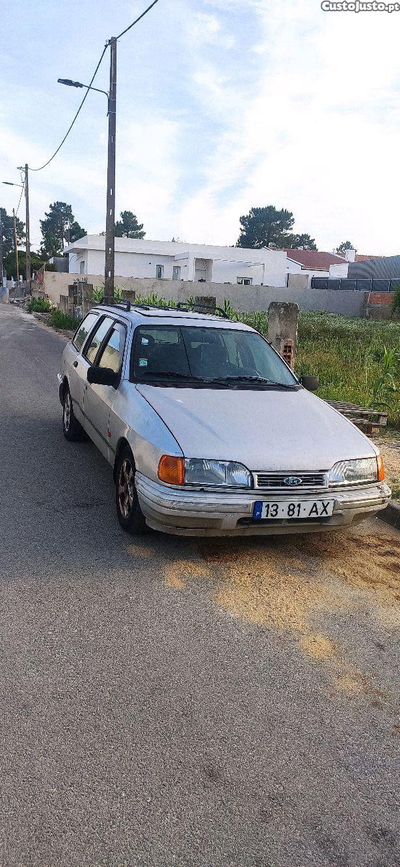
[204, 472]
[357, 472]
[201, 471]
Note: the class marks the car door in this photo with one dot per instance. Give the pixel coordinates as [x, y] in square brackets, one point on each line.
[98, 399]
[75, 364]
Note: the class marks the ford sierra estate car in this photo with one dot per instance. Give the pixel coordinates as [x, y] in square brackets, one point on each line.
[208, 431]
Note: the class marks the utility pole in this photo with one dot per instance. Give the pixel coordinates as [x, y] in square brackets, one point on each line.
[1, 249]
[28, 242]
[16, 245]
[110, 215]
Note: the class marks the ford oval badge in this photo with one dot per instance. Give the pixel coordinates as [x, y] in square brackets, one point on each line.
[292, 481]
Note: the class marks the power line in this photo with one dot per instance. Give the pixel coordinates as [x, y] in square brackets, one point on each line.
[19, 200]
[137, 19]
[79, 109]
[90, 84]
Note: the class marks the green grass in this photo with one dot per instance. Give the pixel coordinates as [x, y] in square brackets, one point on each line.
[63, 321]
[38, 305]
[347, 355]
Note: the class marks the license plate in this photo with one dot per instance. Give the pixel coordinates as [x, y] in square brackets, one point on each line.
[287, 509]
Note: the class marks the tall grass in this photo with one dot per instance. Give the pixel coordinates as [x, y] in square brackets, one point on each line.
[349, 355]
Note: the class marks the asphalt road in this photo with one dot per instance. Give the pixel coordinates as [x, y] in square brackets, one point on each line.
[178, 702]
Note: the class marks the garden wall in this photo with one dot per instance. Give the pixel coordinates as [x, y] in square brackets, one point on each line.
[245, 299]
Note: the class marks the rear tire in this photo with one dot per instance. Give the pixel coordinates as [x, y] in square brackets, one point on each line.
[72, 430]
[130, 515]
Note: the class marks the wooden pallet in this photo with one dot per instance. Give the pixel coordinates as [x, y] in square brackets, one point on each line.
[370, 421]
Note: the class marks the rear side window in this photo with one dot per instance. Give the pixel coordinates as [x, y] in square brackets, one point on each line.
[84, 329]
[97, 338]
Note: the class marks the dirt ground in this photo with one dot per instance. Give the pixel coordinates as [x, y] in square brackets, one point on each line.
[389, 444]
[321, 590]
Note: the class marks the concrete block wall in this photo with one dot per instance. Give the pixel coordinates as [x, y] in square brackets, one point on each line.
[244, 299]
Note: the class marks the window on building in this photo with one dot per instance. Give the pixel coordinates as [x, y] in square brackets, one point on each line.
[176, 272]
[244, 281]
[82, 266]
[159, 272]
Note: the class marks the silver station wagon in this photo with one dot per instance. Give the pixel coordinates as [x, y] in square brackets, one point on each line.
[208, 431]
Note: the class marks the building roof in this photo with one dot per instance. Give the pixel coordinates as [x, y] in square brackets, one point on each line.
[380, 268]
[178, 248]
[360, 257]
[314, 260]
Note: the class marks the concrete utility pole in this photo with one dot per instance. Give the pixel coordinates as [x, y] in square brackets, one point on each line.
[110, 215]
[28, 239]
[1, 250]
[28, 274]
[16, 245]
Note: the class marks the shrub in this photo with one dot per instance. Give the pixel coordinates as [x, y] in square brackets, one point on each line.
[98, 293]
[63, 320]
[38, 305]
[396, 300]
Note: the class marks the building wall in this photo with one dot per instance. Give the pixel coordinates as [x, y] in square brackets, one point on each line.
[338, 270]
[220, 264]
[242, 298]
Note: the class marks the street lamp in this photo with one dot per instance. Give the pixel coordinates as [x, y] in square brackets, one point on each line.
[24, 186]
[70, 83]
[110, 207]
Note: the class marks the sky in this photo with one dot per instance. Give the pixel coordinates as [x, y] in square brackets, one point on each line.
[222, 105]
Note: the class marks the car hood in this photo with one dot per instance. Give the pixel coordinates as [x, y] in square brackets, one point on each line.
[264, 430]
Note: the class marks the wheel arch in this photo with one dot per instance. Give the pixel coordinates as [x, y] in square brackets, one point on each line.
[63, 387]
[121, 445]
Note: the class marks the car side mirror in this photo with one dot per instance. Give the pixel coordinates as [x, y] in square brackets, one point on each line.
[102, 376]
[311, 383]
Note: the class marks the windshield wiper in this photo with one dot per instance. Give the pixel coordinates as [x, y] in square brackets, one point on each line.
[261, 380]
[187, 377]
[162, 374]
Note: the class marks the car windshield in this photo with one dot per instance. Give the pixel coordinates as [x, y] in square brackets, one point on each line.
[224, 357]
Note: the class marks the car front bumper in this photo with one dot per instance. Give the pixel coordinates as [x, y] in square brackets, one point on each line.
[188, 512]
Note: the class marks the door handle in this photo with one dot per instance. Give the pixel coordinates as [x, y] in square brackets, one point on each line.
[75, 364]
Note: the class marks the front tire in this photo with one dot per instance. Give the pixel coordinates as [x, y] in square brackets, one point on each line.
[130, 515]
[72, 430]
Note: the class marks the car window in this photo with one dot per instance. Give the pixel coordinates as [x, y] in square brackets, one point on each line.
[92, 347]
[113, 350]
[84, 329]
[206, 353]
[159, 350]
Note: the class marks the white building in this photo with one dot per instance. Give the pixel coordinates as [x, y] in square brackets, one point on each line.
[314, 263]
[173, 260]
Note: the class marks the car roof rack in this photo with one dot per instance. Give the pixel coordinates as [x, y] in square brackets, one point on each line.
[110, 301]
[182, 306]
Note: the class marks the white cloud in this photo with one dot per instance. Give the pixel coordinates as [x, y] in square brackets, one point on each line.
[148, 171]
[292, 107]
[312, 135]
[207, 28]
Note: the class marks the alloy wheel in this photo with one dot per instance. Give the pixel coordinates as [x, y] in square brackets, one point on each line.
[126, 488]
[67, 410]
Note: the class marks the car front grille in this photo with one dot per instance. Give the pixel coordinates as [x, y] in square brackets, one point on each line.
[276, 481]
